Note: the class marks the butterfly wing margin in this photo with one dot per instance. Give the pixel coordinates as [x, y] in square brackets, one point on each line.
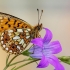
[8, 21]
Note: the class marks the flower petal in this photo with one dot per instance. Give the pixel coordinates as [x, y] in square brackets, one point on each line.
[31, 50]
[43, 63]
[55, 62]
[37, 41]
[35, 49]
[55, 47]
[60, 67]
[36, 55]
[48, 36]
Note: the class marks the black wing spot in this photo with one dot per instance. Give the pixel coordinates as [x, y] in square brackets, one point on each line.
[15, 22]
[6, 22]
[15, 29]
[25, 26]
[2, 27]
[18, 24]
[9, 25]
[8, 19]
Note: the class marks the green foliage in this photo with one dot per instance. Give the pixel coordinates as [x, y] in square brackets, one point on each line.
[65, 59]
[26, 53]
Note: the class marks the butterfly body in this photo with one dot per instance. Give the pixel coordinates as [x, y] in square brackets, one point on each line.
[15, 33]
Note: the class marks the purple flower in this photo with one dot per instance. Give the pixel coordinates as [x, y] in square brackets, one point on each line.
[44, 50]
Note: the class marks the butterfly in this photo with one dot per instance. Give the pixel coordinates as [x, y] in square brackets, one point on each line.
[16, 34]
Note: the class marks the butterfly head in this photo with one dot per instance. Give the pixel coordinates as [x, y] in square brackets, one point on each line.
[36, 30]
[38, 27]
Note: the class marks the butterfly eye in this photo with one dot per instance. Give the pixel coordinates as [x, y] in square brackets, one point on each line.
[38, 27]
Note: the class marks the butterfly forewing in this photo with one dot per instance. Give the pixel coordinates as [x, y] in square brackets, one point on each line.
[15, 33]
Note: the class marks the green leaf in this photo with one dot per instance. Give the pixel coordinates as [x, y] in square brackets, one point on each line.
[26, 53]
[65, 59]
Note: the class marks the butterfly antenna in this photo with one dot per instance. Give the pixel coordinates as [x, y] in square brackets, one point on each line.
[38, 16]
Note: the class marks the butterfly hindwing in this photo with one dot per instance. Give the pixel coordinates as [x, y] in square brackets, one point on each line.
[14, 33]
[15, 42]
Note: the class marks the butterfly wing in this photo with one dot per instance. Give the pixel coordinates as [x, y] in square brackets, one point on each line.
[14, 33]
[10, 22]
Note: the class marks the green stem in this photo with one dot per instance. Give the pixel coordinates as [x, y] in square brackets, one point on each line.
[18, 62]
[12, 59]
[6, 62]
[7, 59]
[26, 64]
[13, 68]
[5, 68]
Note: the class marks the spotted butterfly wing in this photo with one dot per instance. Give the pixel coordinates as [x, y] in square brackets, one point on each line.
[15, 33]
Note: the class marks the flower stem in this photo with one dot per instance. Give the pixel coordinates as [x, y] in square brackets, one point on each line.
[5, 68]
[26, 64]
[7, 59]
[8, 63]
[18, 62]
[12, 59]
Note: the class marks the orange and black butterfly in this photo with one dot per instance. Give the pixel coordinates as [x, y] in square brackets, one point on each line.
[16, 34]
